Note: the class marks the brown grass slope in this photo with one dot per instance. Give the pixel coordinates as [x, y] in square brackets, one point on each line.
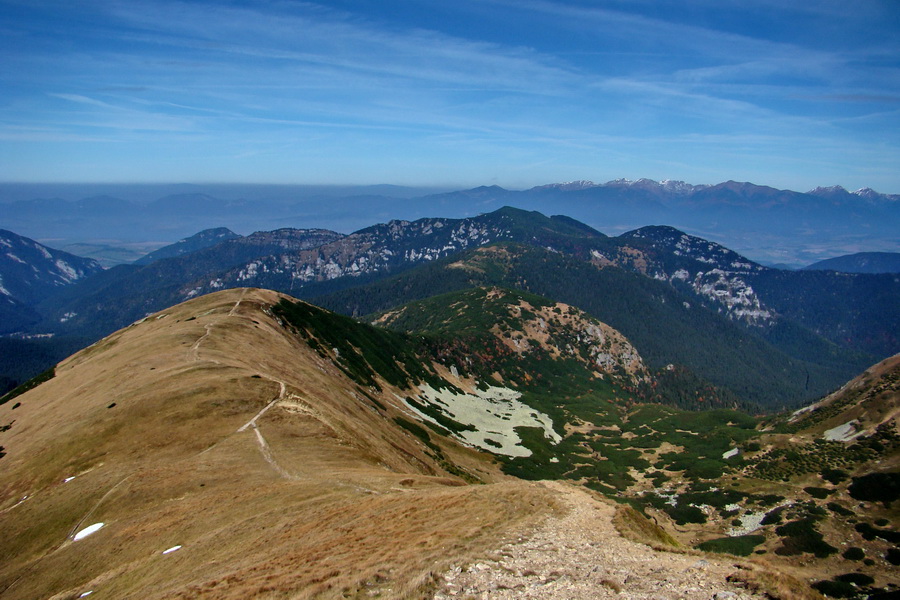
[867, 402]
[208, 426]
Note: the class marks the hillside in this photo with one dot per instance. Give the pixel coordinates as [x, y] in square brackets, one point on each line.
[30, 271]
[210, 449]
[814, 491]
[666, 326]
[198, 241]
[860, 262]
[207, 450]
[709, 317]
[167, 436]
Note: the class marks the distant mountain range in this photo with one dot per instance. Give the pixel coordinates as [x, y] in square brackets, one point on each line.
[693, 308]
[770, 225]
[198, 241]
[861, 262]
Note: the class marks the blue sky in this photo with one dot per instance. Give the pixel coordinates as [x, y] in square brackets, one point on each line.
[516, 93]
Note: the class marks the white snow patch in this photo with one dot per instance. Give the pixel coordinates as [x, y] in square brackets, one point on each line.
[800, 411]
[749, 523]
[67, 272]
[494, 413]
[172, 549]
[88, 531]
[843, 433]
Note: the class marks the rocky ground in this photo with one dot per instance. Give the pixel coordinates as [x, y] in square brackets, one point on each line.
[580, 555]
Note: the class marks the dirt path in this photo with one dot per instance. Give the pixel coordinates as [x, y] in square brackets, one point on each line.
[581, 556]
[281, 394]
[194, 353]
[261, 440]
[265, 450]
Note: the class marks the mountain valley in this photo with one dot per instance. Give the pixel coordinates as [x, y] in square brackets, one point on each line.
[164, 462]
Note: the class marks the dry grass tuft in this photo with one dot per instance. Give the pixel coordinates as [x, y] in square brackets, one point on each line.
[638, 528]
[764, 578]
[613, 585]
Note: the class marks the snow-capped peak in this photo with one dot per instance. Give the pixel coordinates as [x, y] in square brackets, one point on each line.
[568, 186]
[867, 193]
[831, 189]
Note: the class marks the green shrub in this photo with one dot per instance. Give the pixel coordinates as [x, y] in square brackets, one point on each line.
[686, 514]
[840, 510]
[835, 589]
[741, 545]
[818, 492]
[834, 476]
[870, 533]
[893, 556]
[854, 553]
[801, 536]
[876, 487]
[856, 578]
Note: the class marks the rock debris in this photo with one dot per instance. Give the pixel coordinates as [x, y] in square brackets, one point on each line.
[580, 555]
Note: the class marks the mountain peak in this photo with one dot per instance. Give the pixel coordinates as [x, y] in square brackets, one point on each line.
[867, 193]
[828, 190]
[198, 241]
[568, 186]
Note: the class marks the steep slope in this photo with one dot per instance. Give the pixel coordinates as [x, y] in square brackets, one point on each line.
[214, 429]
[210, 449]
[29, 271]
[198, 241]
[789, 308]
[126, 293]
[246, 445]
[835, 466]
[529, 326]
[666, 327]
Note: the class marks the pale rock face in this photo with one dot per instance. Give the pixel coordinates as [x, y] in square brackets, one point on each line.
[723, 280]
[361, 253]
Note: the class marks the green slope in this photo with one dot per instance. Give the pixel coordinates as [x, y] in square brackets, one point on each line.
[667, 327]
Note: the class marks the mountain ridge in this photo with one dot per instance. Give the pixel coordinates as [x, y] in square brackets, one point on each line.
[247, 432]
[768, 224]
[860, 262]
[703, 279]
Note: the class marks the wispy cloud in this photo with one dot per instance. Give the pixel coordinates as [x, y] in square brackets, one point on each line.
[496, 85]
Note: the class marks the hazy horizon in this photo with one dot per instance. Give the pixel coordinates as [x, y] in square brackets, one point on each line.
[12, 191]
